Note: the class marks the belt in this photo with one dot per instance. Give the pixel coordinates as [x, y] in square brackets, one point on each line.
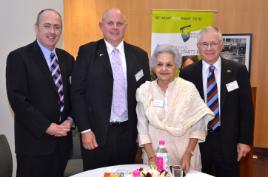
[118, 124]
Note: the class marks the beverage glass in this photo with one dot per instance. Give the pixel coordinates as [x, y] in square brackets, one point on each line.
[121, 172]
[176, 171]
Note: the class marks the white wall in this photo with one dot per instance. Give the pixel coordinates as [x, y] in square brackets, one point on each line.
[17, 18]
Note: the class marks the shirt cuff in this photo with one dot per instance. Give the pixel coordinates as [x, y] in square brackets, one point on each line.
[85, 131]
[71, 119]
[200, 135]
[144, 139]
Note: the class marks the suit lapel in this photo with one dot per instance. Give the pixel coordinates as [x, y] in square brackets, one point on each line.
[199, 78]
[130, 62]
[102, 55]
[41, 63]
[226, 76]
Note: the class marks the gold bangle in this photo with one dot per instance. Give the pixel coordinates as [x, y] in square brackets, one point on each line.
[151, 156]
[191, 152]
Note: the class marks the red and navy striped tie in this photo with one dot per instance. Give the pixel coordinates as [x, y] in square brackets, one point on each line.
[212, 98]
[56, 75]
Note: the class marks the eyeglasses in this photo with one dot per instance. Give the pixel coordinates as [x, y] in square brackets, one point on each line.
[48, 26]
[206, 45]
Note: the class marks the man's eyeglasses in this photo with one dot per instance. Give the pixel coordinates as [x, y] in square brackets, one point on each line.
[48, 26]
[208, 44]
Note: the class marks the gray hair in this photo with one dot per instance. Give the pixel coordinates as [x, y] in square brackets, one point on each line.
[209, 29]
[166, 48]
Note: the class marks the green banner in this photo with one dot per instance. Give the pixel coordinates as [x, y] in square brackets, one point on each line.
[180, 28]
[171, 21]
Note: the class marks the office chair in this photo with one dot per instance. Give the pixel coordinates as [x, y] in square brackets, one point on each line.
[6, 164]
[75, 163]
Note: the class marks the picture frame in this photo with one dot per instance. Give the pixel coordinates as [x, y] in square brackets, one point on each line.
[237, 47]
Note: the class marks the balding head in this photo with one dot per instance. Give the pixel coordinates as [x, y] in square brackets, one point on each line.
[113, 26]
[113, 10]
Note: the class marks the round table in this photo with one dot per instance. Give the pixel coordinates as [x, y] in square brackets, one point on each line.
[99, 172]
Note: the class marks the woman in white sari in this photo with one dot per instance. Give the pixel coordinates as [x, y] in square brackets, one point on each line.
[171, 109]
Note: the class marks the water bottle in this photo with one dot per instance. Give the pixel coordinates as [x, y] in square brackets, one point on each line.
[162, 157]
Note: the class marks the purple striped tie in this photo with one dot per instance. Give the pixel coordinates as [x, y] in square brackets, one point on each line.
[56, 75]
[119, 102]
[212, 98]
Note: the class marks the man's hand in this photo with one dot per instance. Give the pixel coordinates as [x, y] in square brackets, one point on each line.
[58, 130]
[89, 140]
[67, 124]
[242, 151]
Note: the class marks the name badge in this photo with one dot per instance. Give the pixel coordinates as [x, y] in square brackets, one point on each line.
[232, 86]
[139, 75]
[158, 103]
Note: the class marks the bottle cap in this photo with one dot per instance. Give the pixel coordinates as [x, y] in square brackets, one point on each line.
[161, 142]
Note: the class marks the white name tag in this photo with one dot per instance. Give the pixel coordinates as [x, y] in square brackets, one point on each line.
[232, 86]
[158, 103]
[139, 75]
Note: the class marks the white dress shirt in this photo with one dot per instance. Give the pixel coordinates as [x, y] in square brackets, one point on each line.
[120, 47]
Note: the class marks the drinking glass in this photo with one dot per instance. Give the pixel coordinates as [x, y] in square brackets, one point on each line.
[176, 171]
[121, 172]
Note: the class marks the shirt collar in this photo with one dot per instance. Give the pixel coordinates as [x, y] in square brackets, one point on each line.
[46, 52]
[217, 64]
[110, 48]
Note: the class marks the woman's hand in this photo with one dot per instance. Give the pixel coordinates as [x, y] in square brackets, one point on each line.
[151, 161]
[150, 153]
[186, 160]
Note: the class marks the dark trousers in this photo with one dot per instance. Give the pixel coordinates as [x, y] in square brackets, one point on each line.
[52, 165]
[118, 149]
[213, 161]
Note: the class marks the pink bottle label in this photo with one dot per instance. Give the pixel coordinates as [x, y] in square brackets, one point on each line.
[160, 163]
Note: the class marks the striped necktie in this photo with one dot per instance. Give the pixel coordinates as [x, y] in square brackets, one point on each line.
[212, 98]
[56, 75]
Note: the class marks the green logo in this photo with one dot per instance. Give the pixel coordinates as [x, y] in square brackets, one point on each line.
[185, 32]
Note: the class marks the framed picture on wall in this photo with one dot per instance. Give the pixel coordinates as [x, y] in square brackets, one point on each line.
[237, 47]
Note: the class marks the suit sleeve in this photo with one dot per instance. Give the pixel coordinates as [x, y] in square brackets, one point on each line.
[183, 74]
[79, 90]
[18, 95]
[246, 107]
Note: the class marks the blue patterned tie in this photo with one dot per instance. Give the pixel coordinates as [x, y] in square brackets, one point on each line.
[56, 75]
[119, 102]
[212, 98]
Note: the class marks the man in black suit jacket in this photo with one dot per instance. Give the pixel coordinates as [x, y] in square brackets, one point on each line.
[108, 138]
[42, 127]
[231, 140]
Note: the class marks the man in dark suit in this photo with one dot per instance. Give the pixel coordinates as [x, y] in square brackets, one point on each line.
[104, 81]
[38, 86]
[230, 134]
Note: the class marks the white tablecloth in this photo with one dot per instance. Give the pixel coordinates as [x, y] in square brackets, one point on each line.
[99, 172]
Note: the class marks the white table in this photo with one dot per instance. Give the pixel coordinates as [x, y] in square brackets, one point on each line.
[99, 172]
